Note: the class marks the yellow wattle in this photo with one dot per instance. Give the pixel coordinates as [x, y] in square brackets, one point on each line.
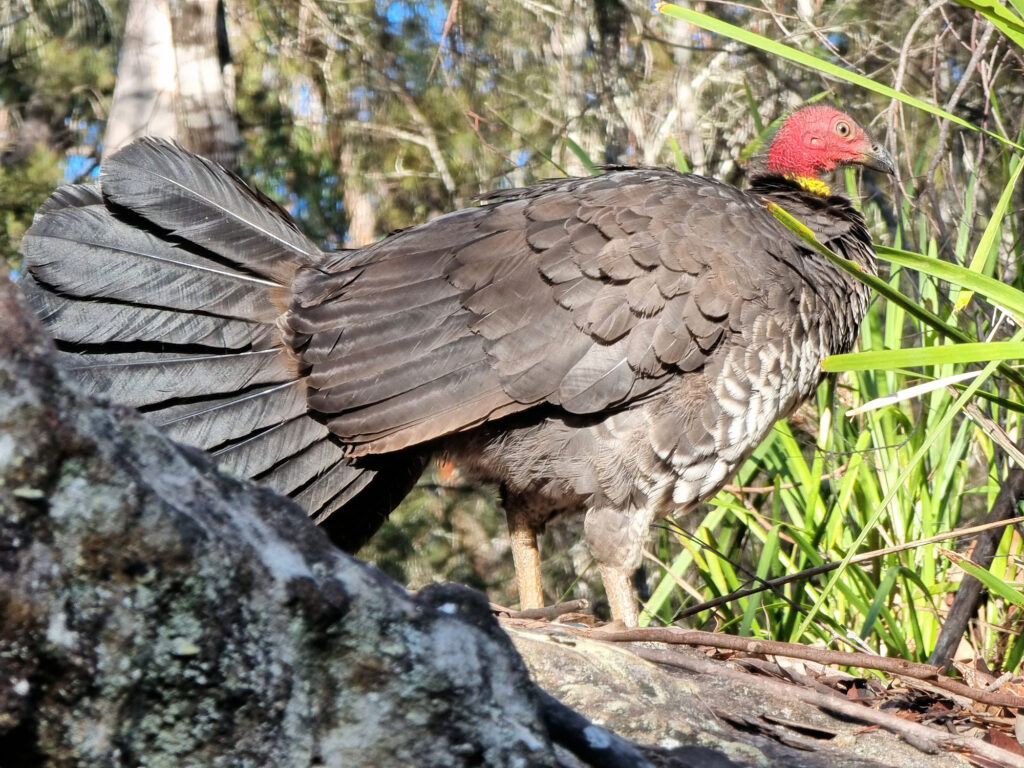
[811, 184]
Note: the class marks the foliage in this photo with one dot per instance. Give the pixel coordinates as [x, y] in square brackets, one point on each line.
[56, 75]
[23, 188]
[418, 123]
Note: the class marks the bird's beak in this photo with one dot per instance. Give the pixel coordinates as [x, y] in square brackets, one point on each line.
[877, 158]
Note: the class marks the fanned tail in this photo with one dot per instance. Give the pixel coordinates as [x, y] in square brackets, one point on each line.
[163, 292]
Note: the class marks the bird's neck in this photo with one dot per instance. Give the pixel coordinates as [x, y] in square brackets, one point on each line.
[811, 184]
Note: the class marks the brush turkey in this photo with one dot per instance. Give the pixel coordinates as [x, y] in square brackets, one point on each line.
[615, 345]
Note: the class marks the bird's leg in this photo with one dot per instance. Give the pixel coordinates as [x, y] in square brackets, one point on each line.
[618, 585]
[526, 556]
[616, 538]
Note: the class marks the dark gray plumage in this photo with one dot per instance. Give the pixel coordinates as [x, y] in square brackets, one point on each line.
[616, 344]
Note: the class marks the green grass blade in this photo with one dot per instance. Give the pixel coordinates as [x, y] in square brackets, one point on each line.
[912, 357]
[992, 231]
[878, 603]
[911, 467]
[966, 227]
[768, 555]
[992, 582]
[584, 158]
[752, 107]
[1002, 18]
[1014, 655]
[996, 291]
[681, 165]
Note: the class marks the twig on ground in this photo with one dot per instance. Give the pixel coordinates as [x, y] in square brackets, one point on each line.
[547, 612]
[898, 667]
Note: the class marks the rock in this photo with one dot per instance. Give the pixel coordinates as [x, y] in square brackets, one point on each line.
[156, 612]
[704, 720]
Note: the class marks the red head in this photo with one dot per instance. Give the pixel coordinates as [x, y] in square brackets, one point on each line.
[816, 139]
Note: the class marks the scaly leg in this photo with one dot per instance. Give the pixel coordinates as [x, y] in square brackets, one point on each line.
[621, 597]
[616, 538]
[526, 557]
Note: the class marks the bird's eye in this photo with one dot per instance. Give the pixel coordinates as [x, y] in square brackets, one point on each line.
[843, 128]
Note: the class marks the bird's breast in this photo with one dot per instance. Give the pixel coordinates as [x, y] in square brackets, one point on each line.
[762, 375]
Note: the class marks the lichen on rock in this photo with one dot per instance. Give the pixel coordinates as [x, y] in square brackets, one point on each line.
[156, 612]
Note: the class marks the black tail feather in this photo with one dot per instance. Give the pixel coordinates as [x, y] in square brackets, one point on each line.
[260, 455]
[87, 252]
[211, 422]
[302, 470]
[160, 293]
[99, 324]
[142, 378]
[202, 203]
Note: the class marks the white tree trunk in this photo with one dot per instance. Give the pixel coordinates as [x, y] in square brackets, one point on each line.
[172, 81]
[146, 89]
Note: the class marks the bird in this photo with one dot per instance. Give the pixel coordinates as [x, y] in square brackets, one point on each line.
[612, 346]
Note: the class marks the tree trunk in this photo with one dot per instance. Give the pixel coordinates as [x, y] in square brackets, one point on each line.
[175, 80]
[362, 217]
[206, 101]
[145, 93]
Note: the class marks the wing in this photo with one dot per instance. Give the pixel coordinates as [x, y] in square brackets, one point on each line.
[583, 294]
